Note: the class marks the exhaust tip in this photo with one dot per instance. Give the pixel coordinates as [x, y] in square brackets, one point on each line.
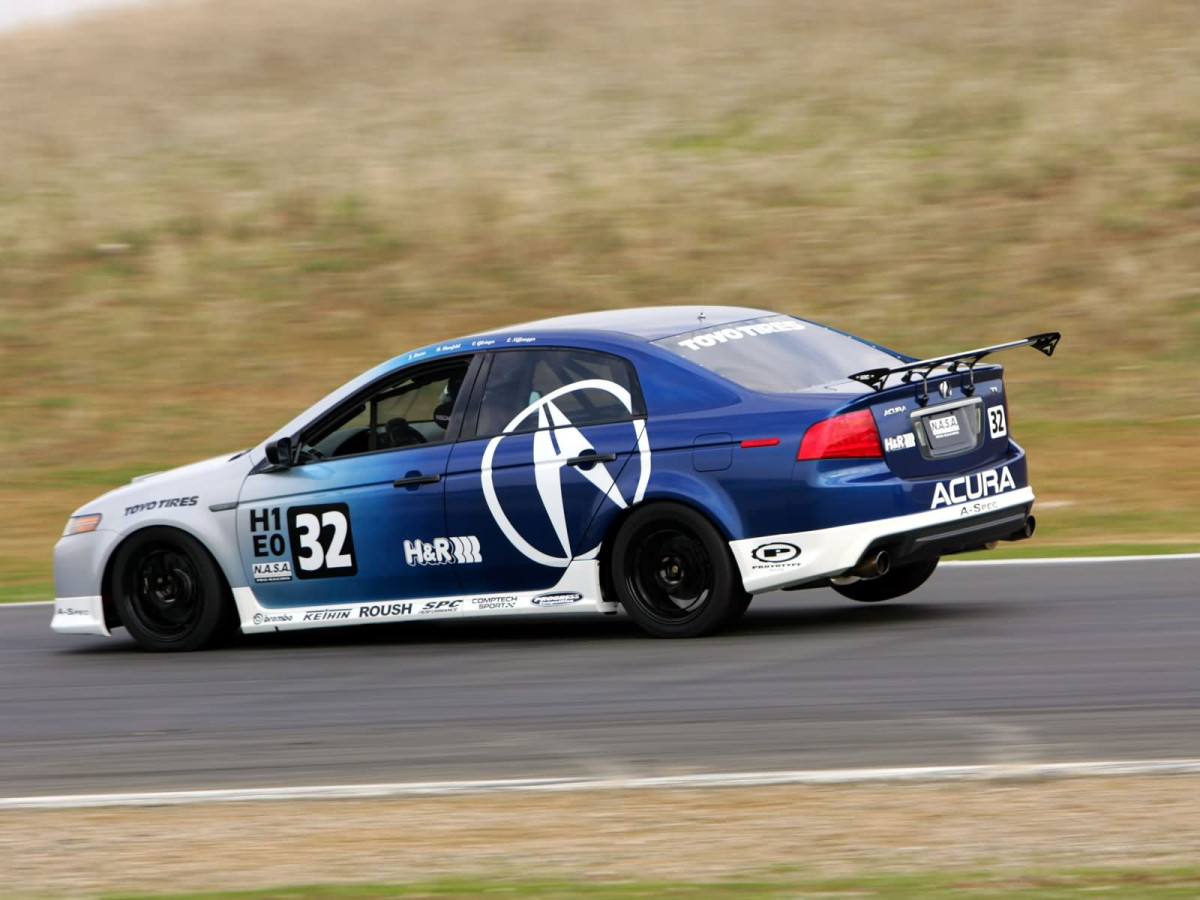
[1030, 526]
[882, 563]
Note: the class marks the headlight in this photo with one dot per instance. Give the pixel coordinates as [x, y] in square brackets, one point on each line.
[82, 524]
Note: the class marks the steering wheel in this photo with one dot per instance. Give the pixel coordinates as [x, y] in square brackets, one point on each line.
[401, 434]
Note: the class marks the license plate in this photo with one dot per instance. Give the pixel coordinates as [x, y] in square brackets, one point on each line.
[950, 429]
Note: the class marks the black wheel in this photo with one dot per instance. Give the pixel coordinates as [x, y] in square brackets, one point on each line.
[673, 573]
[169, 593]
[899, 581]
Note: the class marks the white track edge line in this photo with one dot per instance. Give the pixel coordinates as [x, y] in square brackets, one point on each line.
[1068, 560]
[1034, 561]
[922, 774]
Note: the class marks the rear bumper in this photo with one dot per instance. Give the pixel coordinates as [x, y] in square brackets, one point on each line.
[785, 560]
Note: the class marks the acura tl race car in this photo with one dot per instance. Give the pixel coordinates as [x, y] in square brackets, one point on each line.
[672, 461]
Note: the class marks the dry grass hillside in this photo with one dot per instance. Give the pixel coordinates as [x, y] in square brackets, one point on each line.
[212, 211]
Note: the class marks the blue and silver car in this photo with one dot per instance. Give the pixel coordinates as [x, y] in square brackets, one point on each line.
[671, 461]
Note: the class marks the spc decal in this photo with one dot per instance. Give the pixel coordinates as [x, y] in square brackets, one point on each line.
[463, 550]
[777, 553]
[555, 442]
[972, 487]
[997, 424]
[322, 541]
[439, 606]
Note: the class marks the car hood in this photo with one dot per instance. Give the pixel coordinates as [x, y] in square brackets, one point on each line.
[215, 480]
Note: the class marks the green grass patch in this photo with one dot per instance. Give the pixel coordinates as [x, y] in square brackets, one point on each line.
[1128, 884]
[26, 593]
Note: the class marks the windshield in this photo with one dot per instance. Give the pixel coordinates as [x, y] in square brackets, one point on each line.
[777, 354]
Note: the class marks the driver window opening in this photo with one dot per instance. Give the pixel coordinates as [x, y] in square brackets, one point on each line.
[410, 410]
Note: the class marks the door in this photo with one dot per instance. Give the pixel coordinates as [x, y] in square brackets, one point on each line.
[558, 439]
[360, 518]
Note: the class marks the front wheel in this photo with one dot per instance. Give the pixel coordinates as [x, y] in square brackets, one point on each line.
[169, 593]
[673, 573]
[897, 582]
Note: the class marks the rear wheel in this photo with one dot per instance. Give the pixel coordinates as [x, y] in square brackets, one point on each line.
[169, 593]
[673, 573]
[897, 582]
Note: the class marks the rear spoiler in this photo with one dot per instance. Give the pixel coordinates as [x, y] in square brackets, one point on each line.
[968, 359]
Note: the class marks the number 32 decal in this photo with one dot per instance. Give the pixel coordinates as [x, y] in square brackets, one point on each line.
[322, 543]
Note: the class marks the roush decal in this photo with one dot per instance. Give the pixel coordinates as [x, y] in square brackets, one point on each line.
[382, 610]
[322, 541]
[972, 487]
[555, 442]
[442, 551]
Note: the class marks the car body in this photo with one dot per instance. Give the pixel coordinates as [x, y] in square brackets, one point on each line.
[493, 475]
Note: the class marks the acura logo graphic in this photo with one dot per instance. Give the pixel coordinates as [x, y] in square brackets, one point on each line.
[556, 441]
[944, 390]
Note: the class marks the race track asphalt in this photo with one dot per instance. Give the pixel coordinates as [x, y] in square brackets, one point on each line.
[1004, 664]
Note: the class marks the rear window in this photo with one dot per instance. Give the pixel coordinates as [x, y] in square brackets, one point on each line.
[777, 354]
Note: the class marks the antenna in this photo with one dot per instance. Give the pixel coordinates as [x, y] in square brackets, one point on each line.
[700, 318]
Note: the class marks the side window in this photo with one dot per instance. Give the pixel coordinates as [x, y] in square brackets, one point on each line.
[519, 378]
[413, 408]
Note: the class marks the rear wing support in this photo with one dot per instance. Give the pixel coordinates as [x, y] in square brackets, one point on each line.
[968, 359]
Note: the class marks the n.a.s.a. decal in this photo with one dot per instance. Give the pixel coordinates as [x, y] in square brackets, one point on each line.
[555, 443]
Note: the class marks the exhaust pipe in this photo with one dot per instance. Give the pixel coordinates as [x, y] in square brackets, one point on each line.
[1025, 531]
[873, 567]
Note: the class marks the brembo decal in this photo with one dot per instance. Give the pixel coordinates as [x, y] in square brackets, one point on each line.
[556, 441]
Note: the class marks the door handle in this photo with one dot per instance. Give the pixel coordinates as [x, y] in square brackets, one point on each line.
[586, 460]
[414, 480]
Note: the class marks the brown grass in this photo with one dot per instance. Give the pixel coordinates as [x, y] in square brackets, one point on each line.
[211, 212]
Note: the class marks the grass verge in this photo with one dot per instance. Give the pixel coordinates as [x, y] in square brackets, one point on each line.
[1128, 884]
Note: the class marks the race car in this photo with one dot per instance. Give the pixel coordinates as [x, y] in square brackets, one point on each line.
[672, 462]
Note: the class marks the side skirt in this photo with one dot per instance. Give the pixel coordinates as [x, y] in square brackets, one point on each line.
[578, 591]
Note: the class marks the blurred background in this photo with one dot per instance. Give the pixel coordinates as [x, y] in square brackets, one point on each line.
[214, 211]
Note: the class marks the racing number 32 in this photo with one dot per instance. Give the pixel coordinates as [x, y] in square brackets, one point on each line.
[322, 543]
[996, 423]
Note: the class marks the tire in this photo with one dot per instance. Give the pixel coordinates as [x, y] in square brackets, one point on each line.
[673, 573]
[896, 583]
[169, 592]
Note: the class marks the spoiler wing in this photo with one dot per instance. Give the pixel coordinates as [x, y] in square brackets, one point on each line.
[968, 359]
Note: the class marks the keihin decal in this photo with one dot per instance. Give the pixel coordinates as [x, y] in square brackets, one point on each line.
[972, 487]
[556, 441]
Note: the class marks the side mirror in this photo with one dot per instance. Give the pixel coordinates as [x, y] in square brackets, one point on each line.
[279, 452]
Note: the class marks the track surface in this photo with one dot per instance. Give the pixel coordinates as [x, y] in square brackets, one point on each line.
[983, 665]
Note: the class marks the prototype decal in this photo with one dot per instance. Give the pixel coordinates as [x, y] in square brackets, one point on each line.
[322, 542]
[441, 551]
[997, 425]
[555, 442]
[737, 332]
[972, 487]
[777, 553]
[900, 442]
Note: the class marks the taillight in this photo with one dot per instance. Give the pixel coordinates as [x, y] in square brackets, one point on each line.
[848, 436]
